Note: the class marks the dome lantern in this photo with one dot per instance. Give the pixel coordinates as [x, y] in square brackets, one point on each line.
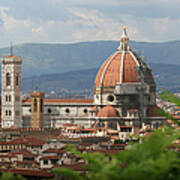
[124, 42]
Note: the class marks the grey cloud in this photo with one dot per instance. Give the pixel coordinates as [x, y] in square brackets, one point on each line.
[56, 9]
[35, 9]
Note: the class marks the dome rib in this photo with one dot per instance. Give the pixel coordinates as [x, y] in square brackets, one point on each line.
[107, 66]
[129, 69]
[122, 65]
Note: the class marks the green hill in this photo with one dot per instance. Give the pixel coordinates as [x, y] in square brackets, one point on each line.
[73, 67]
[82, 82]
[59, 58]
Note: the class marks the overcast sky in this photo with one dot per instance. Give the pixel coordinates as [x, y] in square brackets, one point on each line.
[57, 21]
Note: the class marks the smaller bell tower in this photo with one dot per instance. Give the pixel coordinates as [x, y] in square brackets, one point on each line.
[37, 109]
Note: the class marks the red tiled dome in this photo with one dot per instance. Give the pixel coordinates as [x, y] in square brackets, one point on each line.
[108, 111]
[122, 67]
[119, 68]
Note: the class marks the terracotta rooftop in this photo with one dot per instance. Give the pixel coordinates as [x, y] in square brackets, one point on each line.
[73, 101]
[25, 153]
[31, 141]
[117, 69]
[108, 111]
[94, 109]
[52, 150]
[50, 157]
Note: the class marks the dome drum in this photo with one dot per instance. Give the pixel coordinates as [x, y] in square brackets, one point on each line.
[131, 88]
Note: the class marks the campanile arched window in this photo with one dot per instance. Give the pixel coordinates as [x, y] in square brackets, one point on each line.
[41, 105]
[35, 105]
[17, 80]
[8, 79]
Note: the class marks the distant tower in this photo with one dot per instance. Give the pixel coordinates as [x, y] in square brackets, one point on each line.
[37, 109]
[11, 91]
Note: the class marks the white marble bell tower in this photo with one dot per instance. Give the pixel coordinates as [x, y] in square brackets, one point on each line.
[11, 91]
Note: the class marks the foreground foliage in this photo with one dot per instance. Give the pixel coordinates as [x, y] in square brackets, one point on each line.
[150, 160]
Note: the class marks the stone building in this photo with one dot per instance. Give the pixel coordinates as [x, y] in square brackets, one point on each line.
[11, 91]
[124, 85]
[37, 109]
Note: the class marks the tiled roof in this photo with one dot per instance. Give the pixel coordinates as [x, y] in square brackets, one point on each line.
[31, 141]
[50, 157]
[52, 150]
[88, 129]
[133, 110]
[117, 69]
[129, 69]
[73, 101]
[108, 111]
[94, 109]
[25, 153]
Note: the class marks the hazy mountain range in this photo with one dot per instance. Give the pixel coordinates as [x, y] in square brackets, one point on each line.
[78, 82]
[51, 64]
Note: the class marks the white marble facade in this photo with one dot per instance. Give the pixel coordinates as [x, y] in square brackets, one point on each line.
[11, 91]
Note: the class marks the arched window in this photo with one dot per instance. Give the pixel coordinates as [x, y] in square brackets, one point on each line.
[49, 111]
[6, 98]
[85, 111]
[35, 105]
[41, 105]
[8, 79]
[9, 98]
[17, 80]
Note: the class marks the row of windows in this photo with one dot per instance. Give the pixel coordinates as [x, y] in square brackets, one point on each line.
[67, 110]
[41, 105]
[8, 98]
[9, 113]
[8, 80]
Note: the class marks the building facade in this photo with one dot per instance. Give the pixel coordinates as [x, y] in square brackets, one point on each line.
[11, 91]
[124, 84]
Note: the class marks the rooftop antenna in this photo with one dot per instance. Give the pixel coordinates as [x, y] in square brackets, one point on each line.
[11, 48]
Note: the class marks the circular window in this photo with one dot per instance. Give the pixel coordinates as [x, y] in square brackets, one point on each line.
[67, 110]
[110, 98]
[49, 110]
[85, 111]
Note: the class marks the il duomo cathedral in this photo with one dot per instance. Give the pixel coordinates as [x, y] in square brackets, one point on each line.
[124, 94]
